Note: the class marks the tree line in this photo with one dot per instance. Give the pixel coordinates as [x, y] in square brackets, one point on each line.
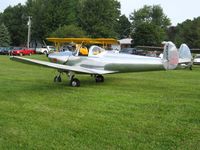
[94, 18]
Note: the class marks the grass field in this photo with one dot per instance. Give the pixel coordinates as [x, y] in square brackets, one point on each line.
[151, 110]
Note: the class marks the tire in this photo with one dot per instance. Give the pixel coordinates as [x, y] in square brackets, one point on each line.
[75, 82]
[99, 78]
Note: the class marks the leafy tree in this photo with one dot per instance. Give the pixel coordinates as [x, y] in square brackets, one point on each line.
[150, 14]
[68, 31]
[123, 27]
[153, 19]
[16, 21]
[188, 32]
[1, 17]
[4, 36]
[99, 17]
[171, 33]
[48, 15]
[148, 34]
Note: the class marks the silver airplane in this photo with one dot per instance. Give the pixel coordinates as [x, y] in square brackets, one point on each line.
[99, 62]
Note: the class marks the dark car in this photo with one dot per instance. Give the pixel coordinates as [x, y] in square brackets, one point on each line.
[128, 50]
[5, 50]
[1, 49]
[133, 51]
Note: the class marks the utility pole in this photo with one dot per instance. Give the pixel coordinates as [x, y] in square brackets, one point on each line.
[29, 32]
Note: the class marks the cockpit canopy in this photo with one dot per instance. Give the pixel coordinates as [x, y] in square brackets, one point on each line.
[83, 51]
[96, 50]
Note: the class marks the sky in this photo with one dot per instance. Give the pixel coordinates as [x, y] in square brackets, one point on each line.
[177, 10]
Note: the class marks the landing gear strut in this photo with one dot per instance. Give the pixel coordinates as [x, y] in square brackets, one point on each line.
[57, 78]
[74, 82]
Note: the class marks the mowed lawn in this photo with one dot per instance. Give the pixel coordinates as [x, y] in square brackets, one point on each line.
[150, 110]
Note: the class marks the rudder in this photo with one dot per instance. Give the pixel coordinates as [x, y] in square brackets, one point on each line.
[170, 56]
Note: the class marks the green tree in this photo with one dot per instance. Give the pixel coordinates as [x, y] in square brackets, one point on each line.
[48, 15]
[99, 17]
[153, 19]
[1, 17]
[16, 21]
[188, 32]
[4, 36]
[123, 27]
[68, 31]
[148, 34]
[171, 33]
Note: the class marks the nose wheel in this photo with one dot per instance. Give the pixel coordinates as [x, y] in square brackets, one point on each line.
[75, 82]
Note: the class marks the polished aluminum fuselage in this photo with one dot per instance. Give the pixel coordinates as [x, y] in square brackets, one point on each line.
[110, 61]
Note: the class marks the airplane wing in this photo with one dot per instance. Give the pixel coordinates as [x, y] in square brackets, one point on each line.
[84, 40]
[60, 66]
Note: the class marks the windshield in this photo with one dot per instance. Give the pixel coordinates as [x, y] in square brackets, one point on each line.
[18, 48]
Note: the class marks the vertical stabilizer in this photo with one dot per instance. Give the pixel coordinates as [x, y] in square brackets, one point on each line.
[185, 55]
[170, 56]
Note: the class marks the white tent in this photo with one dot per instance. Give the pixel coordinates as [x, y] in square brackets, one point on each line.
[125, 43]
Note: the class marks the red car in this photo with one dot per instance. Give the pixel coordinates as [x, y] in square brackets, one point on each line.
[22, 51]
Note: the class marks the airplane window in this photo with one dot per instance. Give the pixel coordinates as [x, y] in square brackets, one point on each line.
[97, 50]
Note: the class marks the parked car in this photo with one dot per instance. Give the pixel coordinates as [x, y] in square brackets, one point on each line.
[22, 51]
[1, 50]
[133, 51]
[5, 50]
[45, 50]
[128, 50]
[196, 60]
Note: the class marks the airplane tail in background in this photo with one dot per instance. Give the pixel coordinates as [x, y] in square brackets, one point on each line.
[185, 55]
[170, 56]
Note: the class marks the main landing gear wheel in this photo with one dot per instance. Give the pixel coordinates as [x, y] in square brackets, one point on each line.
[57, 79]
[75, 82]
[99, 78]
